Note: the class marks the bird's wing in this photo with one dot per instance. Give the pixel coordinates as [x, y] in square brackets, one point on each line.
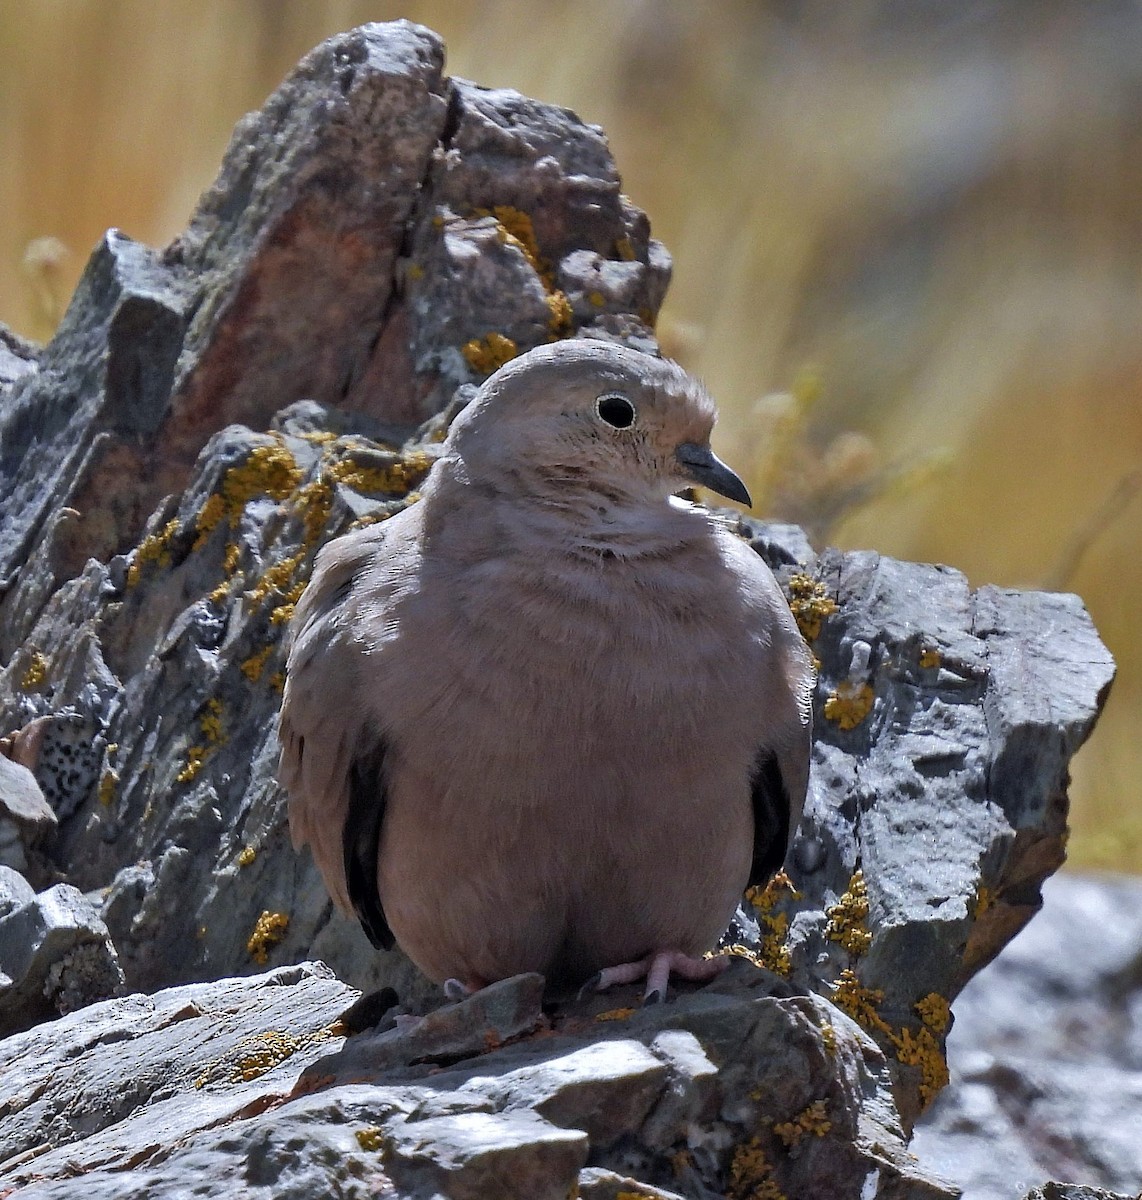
[331, 751]
[781, 771]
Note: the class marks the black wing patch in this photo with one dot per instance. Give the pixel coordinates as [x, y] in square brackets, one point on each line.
[361, 840]
[770, 819]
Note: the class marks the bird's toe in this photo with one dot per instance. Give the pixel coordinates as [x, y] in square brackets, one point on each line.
[656, 969]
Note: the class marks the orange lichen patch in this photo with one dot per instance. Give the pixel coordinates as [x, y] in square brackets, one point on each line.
[195, 757]
[751, 1174]
[560, 320]
[829, 1039]
[860, 1002]
[923, 1051]
[396, 478]
[370, 1138]
[36, 671]
[913, 1049]
[108, 784]
[849, 704]
[763, 899]
[615, 1014]
[847, 920]
[270, 928]
[772, 954]
[809, 1121]
[278, 579]
[934, 1011]
[214, 733]
[514, 227]
[211, 722]
[258, 1054]
[810, 603]
[253, 666]
[269, 470]
[487, 354]
[230, 559]
[154, 548]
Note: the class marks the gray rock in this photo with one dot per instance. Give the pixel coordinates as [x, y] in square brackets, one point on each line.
[55, 953]
[1073, 1191]
[1045, 1061]
[252, 1079]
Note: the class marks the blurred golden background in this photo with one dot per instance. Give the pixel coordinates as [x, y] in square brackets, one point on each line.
[907, 242]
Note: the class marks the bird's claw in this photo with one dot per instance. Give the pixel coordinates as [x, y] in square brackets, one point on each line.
[656, 969]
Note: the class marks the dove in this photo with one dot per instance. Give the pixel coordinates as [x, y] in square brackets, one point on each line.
[552, 717]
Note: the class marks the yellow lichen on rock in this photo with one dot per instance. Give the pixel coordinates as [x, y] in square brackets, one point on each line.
[257, 1054]
[930, 658]
[923, 1051]
[278, 579]
[36, 671]
[195, 757]
[253, 666]
[269, 470]
[751, 1174]
[920, 1049]
[270, 928]
[108, 784]
[810, 603]
[246, 856]
[615, 1014]
[154, 548]
[772, 952]
[849, 704]
[561, 317]
[811, 1120]
[860, 1003]
[934, 1011]
[847, 920]
[487, 354]
[370, 1138]
[213, 731]
[396, 478]
[211, 722]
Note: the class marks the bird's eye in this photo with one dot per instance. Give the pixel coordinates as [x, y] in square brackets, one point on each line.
[616, 410]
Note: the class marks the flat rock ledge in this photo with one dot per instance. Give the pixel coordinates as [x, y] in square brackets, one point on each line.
[732, 1090]
[379, 239]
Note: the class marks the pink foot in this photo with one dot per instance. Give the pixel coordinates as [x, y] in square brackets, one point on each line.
[656, 969]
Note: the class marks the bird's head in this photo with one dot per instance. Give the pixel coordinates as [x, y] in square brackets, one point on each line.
[591, 417]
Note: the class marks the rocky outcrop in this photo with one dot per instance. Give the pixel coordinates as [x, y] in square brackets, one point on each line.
[732, 1091]
[380, 238]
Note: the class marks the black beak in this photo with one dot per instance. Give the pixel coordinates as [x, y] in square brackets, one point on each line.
[703, 466]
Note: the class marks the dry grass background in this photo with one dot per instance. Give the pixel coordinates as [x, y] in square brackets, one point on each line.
[921, 222]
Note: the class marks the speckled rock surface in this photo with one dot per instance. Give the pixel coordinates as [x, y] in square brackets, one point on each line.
[379, 239]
